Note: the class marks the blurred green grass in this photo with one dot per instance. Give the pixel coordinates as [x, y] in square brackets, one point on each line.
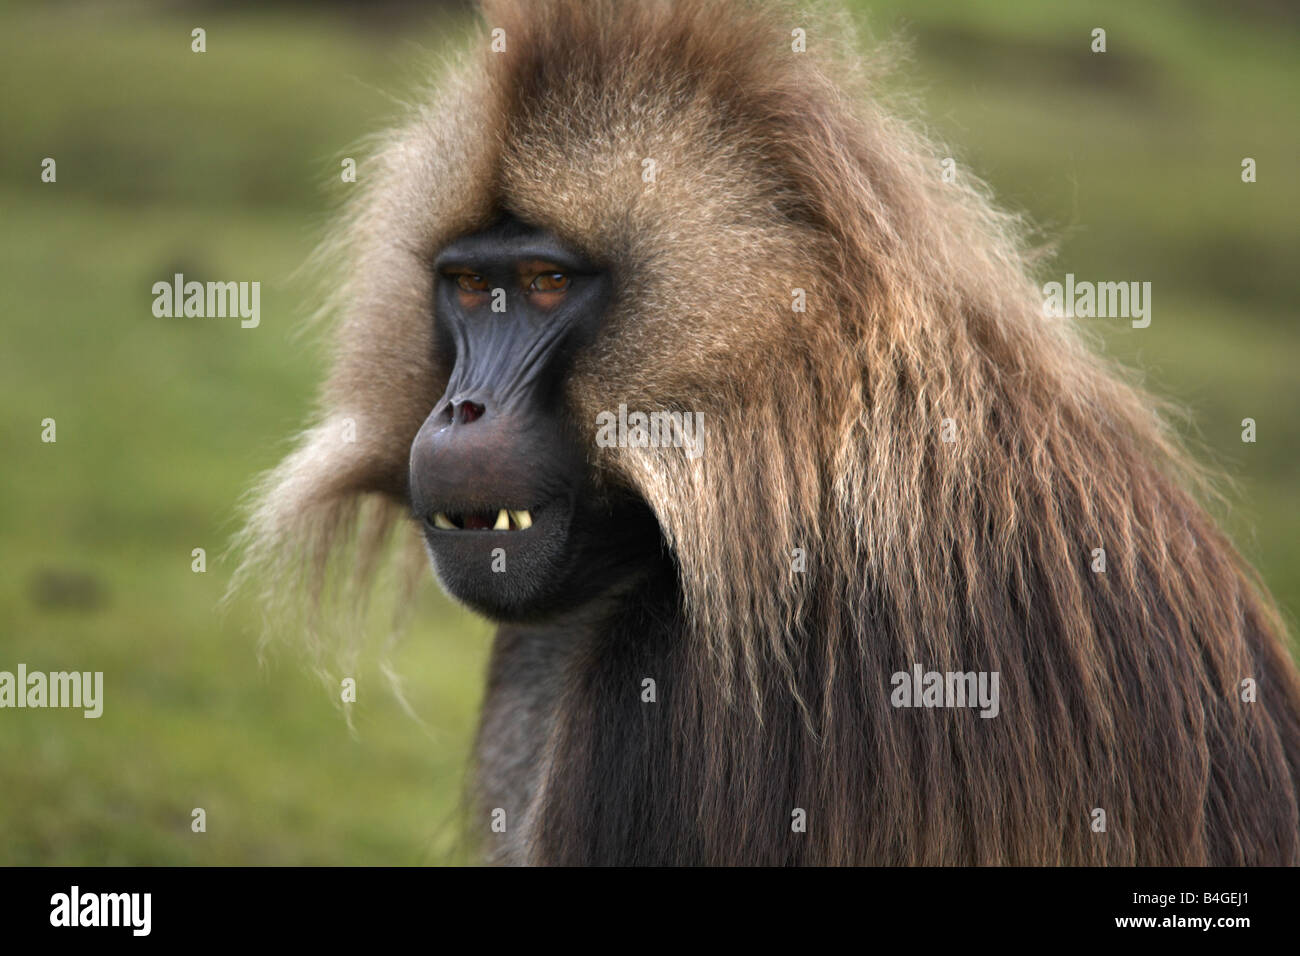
[225, 165]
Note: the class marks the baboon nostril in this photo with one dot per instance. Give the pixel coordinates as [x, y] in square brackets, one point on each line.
[467, 412]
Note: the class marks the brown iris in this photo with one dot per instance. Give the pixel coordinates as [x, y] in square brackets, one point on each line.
[550, 282]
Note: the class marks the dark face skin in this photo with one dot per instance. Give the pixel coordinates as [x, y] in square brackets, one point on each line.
[500, 463]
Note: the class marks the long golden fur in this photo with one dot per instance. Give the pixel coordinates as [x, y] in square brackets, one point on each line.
[776, 170]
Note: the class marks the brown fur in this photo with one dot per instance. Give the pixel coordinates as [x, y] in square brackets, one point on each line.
[774, 171]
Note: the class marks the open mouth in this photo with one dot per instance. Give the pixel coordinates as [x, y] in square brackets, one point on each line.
[498, 519]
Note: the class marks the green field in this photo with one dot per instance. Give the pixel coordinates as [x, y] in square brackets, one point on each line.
[225, 165]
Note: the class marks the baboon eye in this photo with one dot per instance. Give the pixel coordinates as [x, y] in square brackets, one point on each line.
[550, 282]
[471, 282]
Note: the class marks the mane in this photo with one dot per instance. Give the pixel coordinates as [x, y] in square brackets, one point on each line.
[824, 439]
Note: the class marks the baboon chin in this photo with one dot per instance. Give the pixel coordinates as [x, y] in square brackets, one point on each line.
[722, 652]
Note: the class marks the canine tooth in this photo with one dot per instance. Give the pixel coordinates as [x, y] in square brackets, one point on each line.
[440, 520]
[523, 519]
[503, 521]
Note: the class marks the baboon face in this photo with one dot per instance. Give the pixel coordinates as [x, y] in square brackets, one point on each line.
[515, 525]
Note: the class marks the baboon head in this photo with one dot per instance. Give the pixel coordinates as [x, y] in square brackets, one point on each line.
[520, 270]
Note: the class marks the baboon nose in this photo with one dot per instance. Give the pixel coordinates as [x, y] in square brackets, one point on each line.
[466, 412]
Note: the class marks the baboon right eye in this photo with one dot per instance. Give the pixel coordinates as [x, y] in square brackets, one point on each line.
[471, 282]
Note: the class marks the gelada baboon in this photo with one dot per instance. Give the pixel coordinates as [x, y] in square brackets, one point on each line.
[881, 461]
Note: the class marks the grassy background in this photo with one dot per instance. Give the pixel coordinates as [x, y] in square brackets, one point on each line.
[225, 165]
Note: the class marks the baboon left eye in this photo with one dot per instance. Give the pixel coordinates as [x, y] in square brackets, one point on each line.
[550, 282]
